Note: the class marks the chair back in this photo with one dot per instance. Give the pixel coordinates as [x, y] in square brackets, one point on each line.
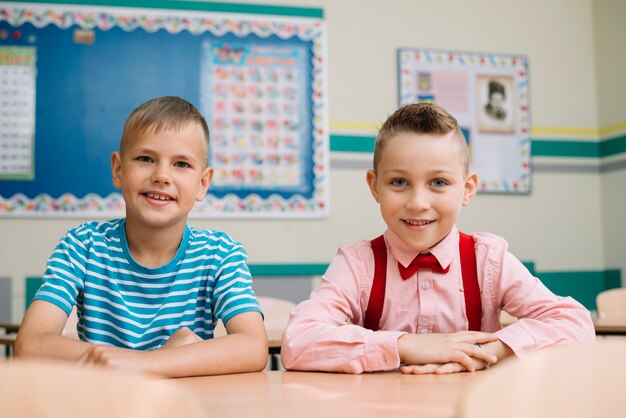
[573, 381]
[45, 389]
[612, 303]
[275, 313]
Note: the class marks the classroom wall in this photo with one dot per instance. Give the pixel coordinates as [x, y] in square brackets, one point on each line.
[572, 221]
[608, 20]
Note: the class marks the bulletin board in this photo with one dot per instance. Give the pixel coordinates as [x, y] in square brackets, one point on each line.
[489, 96]
[71, 74]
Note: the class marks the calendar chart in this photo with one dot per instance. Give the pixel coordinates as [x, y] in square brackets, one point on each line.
[17, 112]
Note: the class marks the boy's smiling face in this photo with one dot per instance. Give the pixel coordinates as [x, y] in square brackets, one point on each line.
[421, 184]
[162, 174]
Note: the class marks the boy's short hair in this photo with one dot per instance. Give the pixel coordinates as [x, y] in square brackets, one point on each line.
[420, 118]
[167, 112]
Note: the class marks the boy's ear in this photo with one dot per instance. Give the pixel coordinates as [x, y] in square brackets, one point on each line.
[370, 177]
[471, 187]
[205, 182]
[116, 169]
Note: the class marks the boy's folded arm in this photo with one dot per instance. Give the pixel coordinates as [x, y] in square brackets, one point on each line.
[323, 332]
[243, 349]
[543, 317]
[40, 334]
[343, 348]
[320, 335]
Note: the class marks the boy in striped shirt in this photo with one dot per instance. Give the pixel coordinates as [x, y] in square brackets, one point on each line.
[149, 288]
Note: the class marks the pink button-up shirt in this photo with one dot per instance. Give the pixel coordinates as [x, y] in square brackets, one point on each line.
[326, 332]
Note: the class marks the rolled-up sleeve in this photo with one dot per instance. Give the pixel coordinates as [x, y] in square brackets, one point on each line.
[324, 332]
[544, 318]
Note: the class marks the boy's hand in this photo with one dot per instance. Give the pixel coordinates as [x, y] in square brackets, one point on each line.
[115, 358]
[459, 347]
[182, 336]
[496, 348]
[440, 368]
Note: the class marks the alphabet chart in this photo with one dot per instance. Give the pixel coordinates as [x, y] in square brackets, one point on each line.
[255, 102]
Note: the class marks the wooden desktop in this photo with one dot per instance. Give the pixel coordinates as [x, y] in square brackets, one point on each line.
[327, 395]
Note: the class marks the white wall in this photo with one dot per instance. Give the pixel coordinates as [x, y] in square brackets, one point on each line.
[559, 225]
[609, 18]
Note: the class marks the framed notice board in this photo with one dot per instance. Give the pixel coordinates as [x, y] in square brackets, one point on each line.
[489, 95]
[71, 74]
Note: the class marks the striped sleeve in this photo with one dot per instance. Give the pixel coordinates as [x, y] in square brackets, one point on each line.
[63, 280]
[232, 294]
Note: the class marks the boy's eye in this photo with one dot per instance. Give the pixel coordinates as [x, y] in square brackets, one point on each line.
[438, 183]
[398, 182]
[144, 159]
[182, 164]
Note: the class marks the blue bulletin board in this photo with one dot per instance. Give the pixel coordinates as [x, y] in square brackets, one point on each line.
[75, 72]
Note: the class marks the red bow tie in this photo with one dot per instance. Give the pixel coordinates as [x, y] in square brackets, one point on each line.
[422, 261]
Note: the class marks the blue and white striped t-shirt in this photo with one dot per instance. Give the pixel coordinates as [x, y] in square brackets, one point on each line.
[122, 303]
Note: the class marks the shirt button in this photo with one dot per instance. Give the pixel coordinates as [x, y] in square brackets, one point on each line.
[425, 286]
[423, 331]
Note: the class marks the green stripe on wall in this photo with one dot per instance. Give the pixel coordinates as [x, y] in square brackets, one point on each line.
[313, 269]
[32, 285]
[546, 148]
[200, 6]
[540, 147]
[288, 269]
[613, 146]
[583, 286]
[351, 143]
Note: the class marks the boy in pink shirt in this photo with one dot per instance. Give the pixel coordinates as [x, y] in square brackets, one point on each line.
[421, 180]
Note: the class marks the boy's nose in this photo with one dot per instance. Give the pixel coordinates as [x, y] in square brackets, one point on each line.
[160, 174]
[418, 200]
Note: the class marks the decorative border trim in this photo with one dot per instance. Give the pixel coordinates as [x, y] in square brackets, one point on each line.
[203, 6]
[151, 20]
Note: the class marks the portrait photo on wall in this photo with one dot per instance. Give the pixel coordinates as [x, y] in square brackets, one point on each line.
[495, 107]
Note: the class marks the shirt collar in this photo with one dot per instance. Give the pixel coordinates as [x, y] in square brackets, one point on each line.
[444, 250]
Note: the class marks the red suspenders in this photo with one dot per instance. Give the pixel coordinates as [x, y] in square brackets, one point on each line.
[471, 290]
[377, 295]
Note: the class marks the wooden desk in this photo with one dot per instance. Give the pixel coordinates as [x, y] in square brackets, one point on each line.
[10, 327]
[8, 340]
[7, 336]
[610, 326]
[328, 395]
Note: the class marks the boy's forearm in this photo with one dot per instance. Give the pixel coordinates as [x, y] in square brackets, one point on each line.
[229, 354]
[40, 334]
[234, 353]
[49, 346]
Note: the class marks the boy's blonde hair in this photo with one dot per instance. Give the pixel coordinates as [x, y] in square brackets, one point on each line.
[420, 118]
[167, 112]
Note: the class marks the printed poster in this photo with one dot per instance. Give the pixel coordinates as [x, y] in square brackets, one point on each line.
[488, 95]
